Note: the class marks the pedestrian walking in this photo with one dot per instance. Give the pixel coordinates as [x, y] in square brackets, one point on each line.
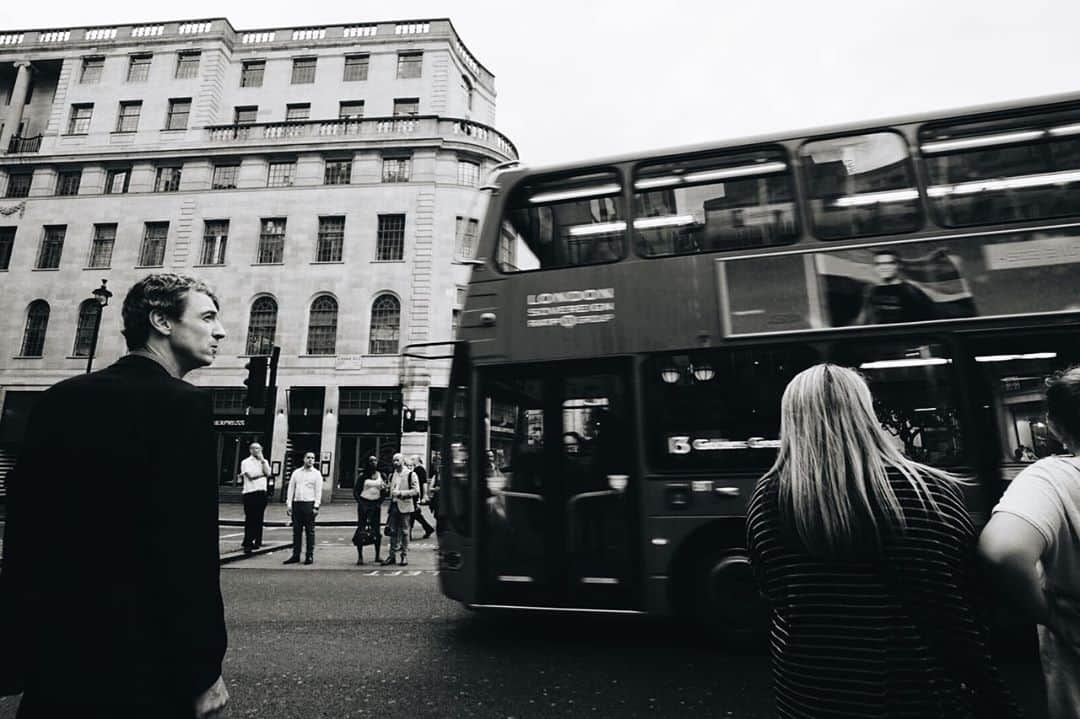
[110, 599]
[865, 558]
[404, 488]
[434, 487]
[1032, 547]
[255, 471]
[418, 513]
[368, 492]
[302, 504]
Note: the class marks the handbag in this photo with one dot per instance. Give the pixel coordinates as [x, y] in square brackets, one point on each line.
[363, 537]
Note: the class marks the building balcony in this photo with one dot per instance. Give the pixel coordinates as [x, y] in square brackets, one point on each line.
[19, 145]
[370, 128]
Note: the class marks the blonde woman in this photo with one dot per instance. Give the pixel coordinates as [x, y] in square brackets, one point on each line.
[865, 558]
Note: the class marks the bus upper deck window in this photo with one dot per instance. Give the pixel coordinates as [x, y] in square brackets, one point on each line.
[702, 204]
[861, 185]
[1004, 170]
[563, 223]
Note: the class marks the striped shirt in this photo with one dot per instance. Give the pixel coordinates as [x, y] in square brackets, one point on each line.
[890, 634]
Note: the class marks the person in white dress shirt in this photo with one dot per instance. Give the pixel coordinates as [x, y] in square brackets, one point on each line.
[254, 469]
[302, 504]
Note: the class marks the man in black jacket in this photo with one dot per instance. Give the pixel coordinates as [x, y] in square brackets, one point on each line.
[110, 601]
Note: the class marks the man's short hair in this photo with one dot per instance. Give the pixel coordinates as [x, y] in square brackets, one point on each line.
[253, 445]
[164, 292]
[884, 252]
[1063, 402]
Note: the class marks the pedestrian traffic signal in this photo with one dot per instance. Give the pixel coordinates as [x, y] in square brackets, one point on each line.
[256, 381]
[408, 420]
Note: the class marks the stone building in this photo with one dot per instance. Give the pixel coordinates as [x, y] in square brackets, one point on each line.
[324, 180]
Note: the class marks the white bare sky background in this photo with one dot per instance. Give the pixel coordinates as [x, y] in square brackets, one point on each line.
[590, 78]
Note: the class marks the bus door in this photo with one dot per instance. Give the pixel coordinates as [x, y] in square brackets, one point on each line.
[559, 487]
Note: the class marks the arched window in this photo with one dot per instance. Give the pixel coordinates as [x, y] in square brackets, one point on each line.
[84, 331]
[322, 326]
[467, 89]
[261, 326]
[37, 321]
[385, 325]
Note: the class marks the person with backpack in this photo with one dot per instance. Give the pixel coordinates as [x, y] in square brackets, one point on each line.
[404, 489]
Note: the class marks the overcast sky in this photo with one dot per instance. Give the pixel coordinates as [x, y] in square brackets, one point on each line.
[586, 78]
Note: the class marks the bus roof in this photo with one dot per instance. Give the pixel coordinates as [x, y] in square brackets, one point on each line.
[986, 109]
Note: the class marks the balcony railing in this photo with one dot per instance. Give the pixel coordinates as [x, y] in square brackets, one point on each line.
[418, 126]
[24, 144]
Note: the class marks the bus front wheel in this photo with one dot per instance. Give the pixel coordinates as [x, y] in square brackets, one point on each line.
[726, 604]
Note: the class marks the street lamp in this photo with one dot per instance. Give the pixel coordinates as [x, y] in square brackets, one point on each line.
[101, 296]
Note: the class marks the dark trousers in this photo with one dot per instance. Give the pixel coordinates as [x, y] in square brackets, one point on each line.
[303, 521]
[254, 507]
[418, 516]
[368, 513]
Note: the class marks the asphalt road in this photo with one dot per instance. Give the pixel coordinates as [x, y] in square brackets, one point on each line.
[336, 640]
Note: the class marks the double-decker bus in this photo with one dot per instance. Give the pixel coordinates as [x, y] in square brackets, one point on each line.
[631, 324]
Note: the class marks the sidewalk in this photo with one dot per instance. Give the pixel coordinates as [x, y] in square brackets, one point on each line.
[336, 514]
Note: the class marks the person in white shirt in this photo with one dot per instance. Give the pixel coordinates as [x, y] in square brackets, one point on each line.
[254, 469]
[1032, 548]
[302, 504]
[404, 488]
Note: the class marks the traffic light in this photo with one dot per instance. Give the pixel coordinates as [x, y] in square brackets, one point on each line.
[256, 381]
[408, 420]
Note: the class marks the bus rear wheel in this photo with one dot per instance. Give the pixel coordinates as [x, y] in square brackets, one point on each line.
[726, 604]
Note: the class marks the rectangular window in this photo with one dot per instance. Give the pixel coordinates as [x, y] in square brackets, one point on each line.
[709, 203]
[409, 65]
[298, 111]
[52, 246]
[179, 111]
[7, 244]
[281, 174]
[338, 172]
[225, 177]
[406, 106]
[566, 221]
[187, 65]
[1014, 169]
[19, 184]
[101, 247]
[79, 123]
[396, 169]
[152, 253]
[92, 68]
[331, 239]
[127, 120]
[861, 185]
[271, 241]
[390, 239]
[245, 115]
[356, 67]
[68, 181]
[468, 173]
[351, 110]
[303, 70]
[139, 68]
[215, 235]
[116, 181]
[251, 73]
[468, 229]
[167, 180]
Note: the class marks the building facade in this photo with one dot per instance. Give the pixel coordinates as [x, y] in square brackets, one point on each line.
[323, 180]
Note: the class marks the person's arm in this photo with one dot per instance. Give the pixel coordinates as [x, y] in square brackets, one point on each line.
[931, 568]
[289, 493]
[414, 485]
[179, 554]
[1009, 547]
[318, 490]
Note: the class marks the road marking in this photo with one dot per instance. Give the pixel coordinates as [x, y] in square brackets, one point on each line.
[230, 536]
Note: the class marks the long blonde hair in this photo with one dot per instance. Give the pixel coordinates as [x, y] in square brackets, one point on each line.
[832, 465]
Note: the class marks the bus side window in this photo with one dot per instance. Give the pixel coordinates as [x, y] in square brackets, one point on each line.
[714, 203]
[861, 185]
[915, 400]
[1020, 168]
[1013, 370]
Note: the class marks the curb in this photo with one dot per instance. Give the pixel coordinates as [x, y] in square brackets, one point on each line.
[275, 523]
[240, 555]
